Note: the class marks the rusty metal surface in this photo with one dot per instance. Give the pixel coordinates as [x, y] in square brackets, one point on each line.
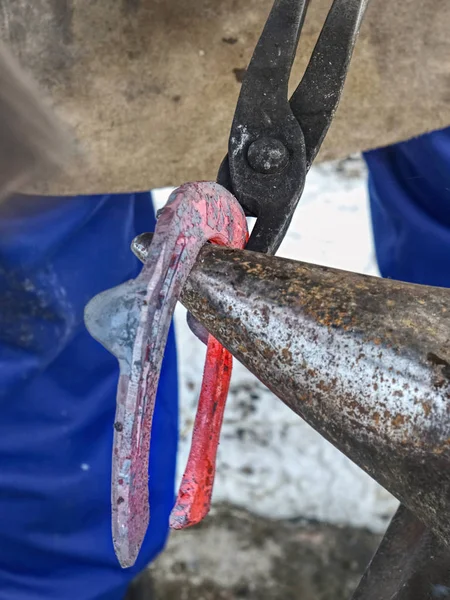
[149, 87]
[410, 564]
[365, 361]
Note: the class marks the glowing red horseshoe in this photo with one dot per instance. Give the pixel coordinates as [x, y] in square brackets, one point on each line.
[132, 321]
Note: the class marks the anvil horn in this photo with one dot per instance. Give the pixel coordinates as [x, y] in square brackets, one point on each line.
[365, 361]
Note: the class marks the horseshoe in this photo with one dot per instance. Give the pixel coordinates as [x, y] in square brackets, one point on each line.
[132, 321]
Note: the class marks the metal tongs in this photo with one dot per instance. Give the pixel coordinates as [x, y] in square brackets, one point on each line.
[273, 141]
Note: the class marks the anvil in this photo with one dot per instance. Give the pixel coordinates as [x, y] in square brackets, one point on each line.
[366, 362]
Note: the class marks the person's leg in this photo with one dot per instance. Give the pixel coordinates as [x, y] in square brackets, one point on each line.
[409, 188]
[57, 400]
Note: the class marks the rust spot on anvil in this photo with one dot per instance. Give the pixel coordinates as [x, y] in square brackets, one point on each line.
[398, 420]
[426, 408]
[287, 356]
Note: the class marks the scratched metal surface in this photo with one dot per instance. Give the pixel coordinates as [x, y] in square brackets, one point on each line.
[365, 361]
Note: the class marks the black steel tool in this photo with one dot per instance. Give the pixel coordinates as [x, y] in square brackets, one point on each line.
[411, 564]
[273, 142]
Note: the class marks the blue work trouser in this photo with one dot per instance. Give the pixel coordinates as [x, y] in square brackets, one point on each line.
[409, 188]
[57, 399]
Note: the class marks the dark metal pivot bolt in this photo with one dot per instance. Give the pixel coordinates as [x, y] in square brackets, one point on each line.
[267, 155]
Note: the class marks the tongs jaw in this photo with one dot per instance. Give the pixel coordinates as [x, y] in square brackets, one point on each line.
[273, 142]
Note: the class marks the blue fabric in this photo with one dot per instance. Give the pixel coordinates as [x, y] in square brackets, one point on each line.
[57, 399]
[409, 188]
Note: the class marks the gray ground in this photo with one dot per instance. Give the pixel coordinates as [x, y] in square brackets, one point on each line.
[234, 554]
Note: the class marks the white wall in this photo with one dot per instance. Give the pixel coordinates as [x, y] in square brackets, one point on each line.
[270, 461]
